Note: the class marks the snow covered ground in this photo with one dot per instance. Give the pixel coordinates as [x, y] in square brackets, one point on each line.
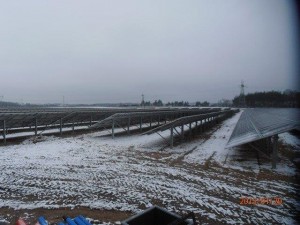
[291, 140]
[214, 147]
[130, 173]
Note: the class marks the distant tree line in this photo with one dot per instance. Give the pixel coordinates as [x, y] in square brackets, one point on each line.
[286, 99]
[155, 103]
[9, 104]
[175, 103]
[205, 103]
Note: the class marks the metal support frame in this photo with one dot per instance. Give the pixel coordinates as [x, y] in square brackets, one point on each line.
[269, 144]
[128, 125]
[35, 127]
[182, 132]
[60, 126]
[4, 131]
[275, 151]
[200, 123]
[172, 137]
[116, 123]
[113, 129]
[201, 126]
[176, 131]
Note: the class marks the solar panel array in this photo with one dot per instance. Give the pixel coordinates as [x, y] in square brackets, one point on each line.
[38, 120]
[189, 119]
[16, 118]
[256, 124]
[122, 119]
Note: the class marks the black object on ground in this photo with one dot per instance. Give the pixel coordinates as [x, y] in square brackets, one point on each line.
[157, 215]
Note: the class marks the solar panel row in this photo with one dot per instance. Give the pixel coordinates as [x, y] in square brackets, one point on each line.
[122, 119]
[38, 119]
[26, 118]
[189, 119]
[256, 124]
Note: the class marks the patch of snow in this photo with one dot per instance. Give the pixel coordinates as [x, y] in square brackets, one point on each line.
[290, 139]
[214, 147]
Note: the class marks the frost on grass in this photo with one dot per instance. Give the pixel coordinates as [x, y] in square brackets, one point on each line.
[131, 173]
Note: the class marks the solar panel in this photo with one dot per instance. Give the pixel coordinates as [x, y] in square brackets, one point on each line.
[186, 120]
[256, 124]
[39, 119]
[122, 118]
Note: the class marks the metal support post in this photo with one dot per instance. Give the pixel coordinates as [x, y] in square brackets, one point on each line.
[113, 129]
[201, 128]
[141, 123]
[4, 132]
[158, 120]
[190, 129]
[35, 127]
[60, 127]
[182, 132]
[150, 121]
[73, 127]
[91, 119]
[269, 142]
[171, 138]
[128, 126]
[275, 151]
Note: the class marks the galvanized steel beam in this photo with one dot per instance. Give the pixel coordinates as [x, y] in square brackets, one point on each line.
[4, 131]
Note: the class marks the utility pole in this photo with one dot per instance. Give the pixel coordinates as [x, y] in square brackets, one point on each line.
[242, 95]
[143, 101]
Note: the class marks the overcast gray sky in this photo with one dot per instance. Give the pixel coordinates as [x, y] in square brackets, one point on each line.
[100, 51]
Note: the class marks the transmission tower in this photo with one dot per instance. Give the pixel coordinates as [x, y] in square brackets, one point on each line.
[143, 100]
[242, 95]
